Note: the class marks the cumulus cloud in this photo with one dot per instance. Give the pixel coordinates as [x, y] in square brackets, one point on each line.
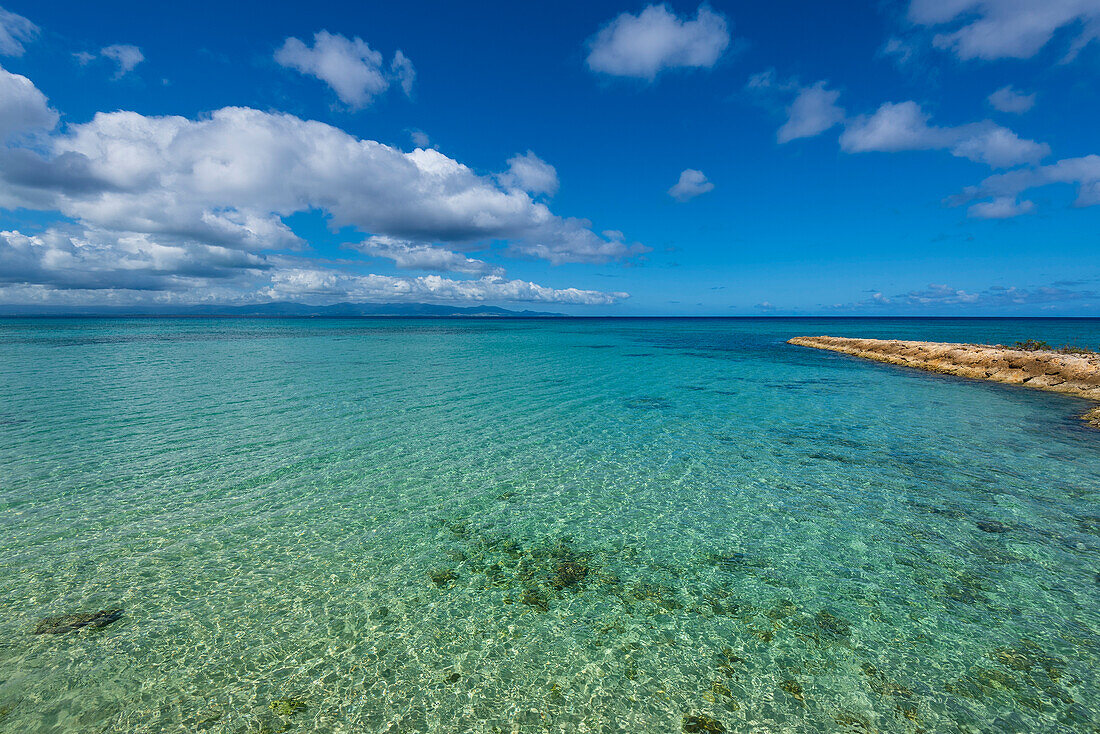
[417, 256]
[125, 56]
[1001, 191]
[15, 30]
[104, 268]
[810, 111]
[319, 285]
[229, 178]
[656, 39]
[904, 126]
[996, 29]
[169, 202]
[530, 173]
[348, 66]
[23, 108]
[420, 138]
[102, 260]
[813, 111]
[1007, 99]
[692, 183]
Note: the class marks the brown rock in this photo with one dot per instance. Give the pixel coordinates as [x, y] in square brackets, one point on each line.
[1070, 374]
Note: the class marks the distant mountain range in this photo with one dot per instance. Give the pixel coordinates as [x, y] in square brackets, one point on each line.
[284, 309]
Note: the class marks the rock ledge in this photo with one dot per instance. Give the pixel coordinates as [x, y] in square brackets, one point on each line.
[1070, 374]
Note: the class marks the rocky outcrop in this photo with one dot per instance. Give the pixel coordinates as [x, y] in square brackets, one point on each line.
[1071, 374]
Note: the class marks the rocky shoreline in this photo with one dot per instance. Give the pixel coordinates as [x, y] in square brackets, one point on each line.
[1070, 374]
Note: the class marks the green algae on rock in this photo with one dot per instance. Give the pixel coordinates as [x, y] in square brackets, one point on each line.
[443, 576]
[793, 688]
[287, 706]
[702, 723]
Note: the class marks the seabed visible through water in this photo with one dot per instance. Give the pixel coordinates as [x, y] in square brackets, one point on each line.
[537, 526]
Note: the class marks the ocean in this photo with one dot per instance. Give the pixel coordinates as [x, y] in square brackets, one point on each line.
[545, 525]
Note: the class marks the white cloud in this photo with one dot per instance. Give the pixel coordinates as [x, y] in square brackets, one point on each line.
[996, 29]
[349, 66]
[311, 285]
[692, 183]
[904, 126]
[127, 57]
[902, 50]
[656, 39]
[228, 179]
[15, 30]
[420, 138]
[23, 109]
[417, 256]
[565, 240]
[1007, 99]
[1003, 207]
[530, 173]
[170, 203]
[402, 69]
[100, 260]
[811, 113]
[101, 268]
[1002, 190]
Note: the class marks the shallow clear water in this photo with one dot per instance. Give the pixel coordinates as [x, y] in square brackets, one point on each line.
[563, 526]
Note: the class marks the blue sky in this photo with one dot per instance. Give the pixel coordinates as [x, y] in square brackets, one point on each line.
[924, 157]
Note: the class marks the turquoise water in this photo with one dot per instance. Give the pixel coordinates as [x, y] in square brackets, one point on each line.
[528, 526]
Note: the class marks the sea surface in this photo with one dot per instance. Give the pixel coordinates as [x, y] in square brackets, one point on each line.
[539, 526]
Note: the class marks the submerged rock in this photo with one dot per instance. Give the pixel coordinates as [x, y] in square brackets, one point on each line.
[535, 597]
[832, 624]
[702, 723]
[793, 688]
[72, 622]
[568, 574]
[992, 526]
[287, 706]
[443, 576]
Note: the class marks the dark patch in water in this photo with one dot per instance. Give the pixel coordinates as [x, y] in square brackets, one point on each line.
[702, 723]
[835, 458]
[72, 622]
[443, 577]
[536, 597]
[287, 706]
[832, 625]
[648, 402]
[1089, 524]
[794, 689]
[992, 526]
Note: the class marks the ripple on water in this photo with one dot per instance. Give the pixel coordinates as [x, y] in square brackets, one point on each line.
[420, 526]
